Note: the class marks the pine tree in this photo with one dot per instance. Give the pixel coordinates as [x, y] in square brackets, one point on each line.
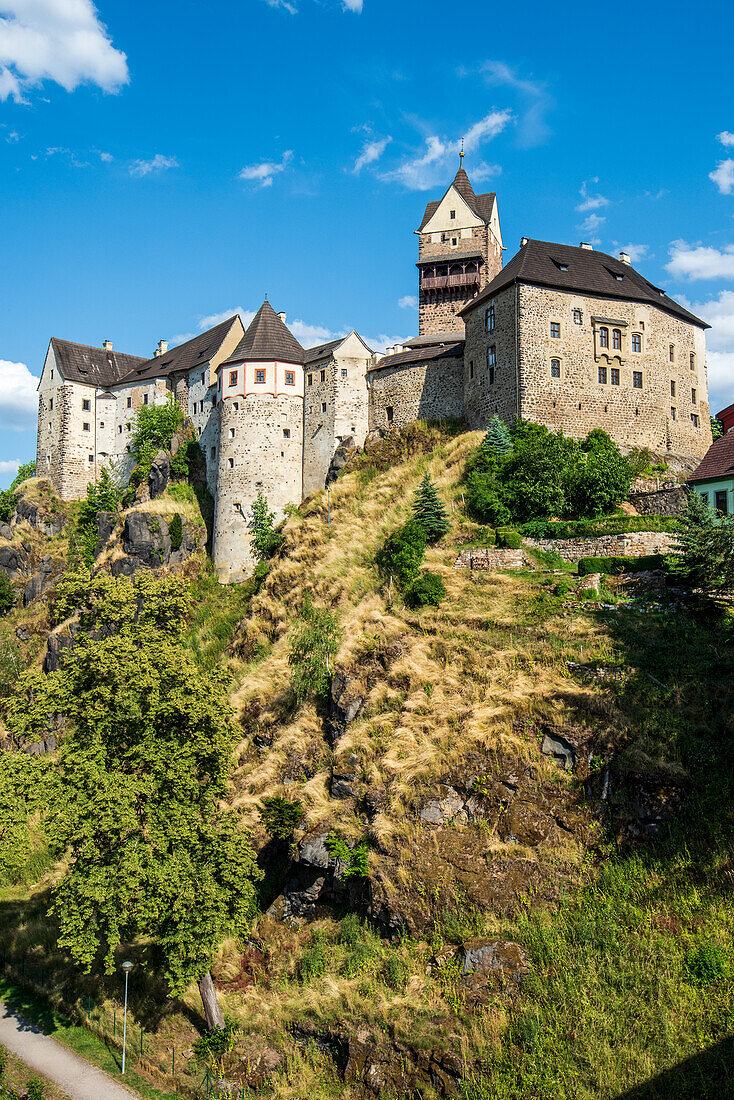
[261, 525]
[430, 512]
[497, 440]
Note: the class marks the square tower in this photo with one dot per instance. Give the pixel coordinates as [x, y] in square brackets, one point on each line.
[459, 253]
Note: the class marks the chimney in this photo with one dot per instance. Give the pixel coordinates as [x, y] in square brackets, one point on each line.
[624, 258]
[586, 245]
[107, 345]
[161, 349]
[523, 242]
[282, 317]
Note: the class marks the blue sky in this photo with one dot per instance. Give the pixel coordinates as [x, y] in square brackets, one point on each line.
[165, 163]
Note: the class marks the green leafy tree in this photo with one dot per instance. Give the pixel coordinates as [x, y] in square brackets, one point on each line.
[429, 511]
[717, 428]
[7, 593]
[21, 784]
[401, 555]
[143, 769]
[153, 430]
[315, 638]
[175, 532]
[103, 495]
[598, 477]
[265, 539]
[280, 816]
[26, 470]
[498, 440]
[705, 545]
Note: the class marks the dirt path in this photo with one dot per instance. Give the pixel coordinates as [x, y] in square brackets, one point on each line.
[78, 1078]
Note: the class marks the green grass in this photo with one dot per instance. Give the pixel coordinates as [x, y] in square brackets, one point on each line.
[77, 1039]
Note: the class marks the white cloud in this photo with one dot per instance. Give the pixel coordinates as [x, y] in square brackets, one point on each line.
[263, 173]
[590, 202]
[426, 169]
[18, 397]
[106, 158]
[723, 176]
[408, 301]
[307, 334]
[353, 5]
[482, 171]
[591, 224]
[158, 163]
[532, 126]
[371, 152]
[719, 312]
[725, 137]
[59, 40]
[699, 262]
[9, 466]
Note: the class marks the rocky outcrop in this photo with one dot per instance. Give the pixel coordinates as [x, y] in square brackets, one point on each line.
[39, 582]
[346, 700]
[160, 475]
[14, 560]
[146, 544]
[346, 449]
[316, 878]
[491, 963]
[42, 519]
[106, 523]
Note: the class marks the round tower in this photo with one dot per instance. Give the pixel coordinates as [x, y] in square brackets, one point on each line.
[260, 400]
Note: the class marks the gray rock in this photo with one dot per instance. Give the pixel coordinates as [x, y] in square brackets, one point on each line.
[12, 561]
[313, 851]
[344, 704]
[483, 959]
[106, 522]
[145, 537]
[6, 531]
[35, 588]
[342, 786]
[441, 810]
[23, 634]
[558, 747]
[160, 474]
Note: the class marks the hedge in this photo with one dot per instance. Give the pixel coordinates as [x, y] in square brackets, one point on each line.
[620, 564]
[508, 538]
[591, 528]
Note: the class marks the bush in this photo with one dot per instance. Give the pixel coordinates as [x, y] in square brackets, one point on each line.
[175, 532]
[536, 529]
[507, 538]
[610, 525]
[707, 963]
[402, 553]
[315, 637]
[428, 589]
[7, 506]
[620, 564]
[312, 963]
[265, 539]
[280, 816]
[355, 860]
[561, 589]
[153, 430]
[483, 498]
[395, 971]
[7, 594]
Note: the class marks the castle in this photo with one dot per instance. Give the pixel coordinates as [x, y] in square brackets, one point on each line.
[564, 336]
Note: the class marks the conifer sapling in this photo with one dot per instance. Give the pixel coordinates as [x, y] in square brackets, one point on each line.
[430, 512]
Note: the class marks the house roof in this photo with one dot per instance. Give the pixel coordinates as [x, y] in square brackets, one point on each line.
[481, 205]
[718, 461]
[90, 365]
[421, 355]
[433, 340]
[583, 270]
[267, 338]
[184, 357]
[310, 355]
[451, 257]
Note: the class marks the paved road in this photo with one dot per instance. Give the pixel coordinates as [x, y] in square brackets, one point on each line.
[78, 1078]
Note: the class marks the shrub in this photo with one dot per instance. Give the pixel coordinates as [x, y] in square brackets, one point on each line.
[537, 529]
[7, 594]
[395, 971]
[280, 816]
[312, 963]
[561, 589]
[175, 532]
[430, 512]
[402, 554]
[483, 498]
[428, 589]
[620, 564]
[315, 638]
[707, 963]
[7, 506]
[355, 860]
[509, 539]
[265, 539]
[211, 1047]
[153, 430]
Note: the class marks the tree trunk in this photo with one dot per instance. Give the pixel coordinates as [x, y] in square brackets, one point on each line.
[212, 1011]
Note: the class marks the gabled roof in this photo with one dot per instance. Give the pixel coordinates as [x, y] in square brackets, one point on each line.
[310, 355]
[583, 270]
[197, 351]
[267, 338]
[90, 365]
[421, 355]
[718, 460]
[481, 205]
[433, 339]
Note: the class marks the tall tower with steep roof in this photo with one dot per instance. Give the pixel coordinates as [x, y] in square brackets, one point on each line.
[459, 253]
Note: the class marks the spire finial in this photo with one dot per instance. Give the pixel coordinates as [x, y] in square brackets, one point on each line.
[461, 155]
[266, 295]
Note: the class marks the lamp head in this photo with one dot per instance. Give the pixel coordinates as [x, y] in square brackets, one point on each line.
[127, 967]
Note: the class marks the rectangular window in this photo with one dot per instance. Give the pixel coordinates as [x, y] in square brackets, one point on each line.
[286, 433]
[389, 413]
[290, 378]
[617, 339]
[145, 399]
[233, 378]
[101, 423]
[52, 375]
[259, 375]
[86, 405]
[694, 420]
[555, 368]
[323, 406]
[310, 380]
[672, 388]
[471, 368]
[51, 405]
[344, 372]
[603, 375]
[672, 413]
[615, 376]
[693, 361]
[693, 397]
[119, 429]
[85, 425]
[637, 379]
[129, 402]
[671, 352]
[556, 330]
[452, 215]
[489, 319]
[203, 379]
[577, 317]
[49, 425]
[636, 342]
[492, 356]
[491, 376]
[214, 401]
[721, 499]
[323, 376]
[213, 452]
[91, 458]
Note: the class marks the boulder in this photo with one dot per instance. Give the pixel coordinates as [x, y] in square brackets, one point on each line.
[106, 522]
[558, 747]
[35, 588]
[6, 531]
[160, 475]
[12, 561]
[491, 962]
[345, 702]
[145, 537]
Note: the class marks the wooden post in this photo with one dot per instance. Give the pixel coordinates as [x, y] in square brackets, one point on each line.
[212, 1010]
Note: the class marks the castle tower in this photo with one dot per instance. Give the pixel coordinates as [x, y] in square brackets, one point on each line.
[459, 253]
[260, 401]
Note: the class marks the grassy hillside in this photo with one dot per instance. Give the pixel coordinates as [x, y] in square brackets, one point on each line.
[609, 885]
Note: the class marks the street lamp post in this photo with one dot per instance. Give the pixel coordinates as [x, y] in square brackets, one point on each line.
[127, 967]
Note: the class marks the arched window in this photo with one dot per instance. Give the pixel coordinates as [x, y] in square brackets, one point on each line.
[693, 360]
[616, 339]
[636, 342]
[603, 337]
[671, 352]
[555, 368]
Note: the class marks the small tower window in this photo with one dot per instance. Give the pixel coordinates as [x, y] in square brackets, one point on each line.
[492, 356]
[233, 378]
[51, 405]
[637, 379]
[389, 413]
[323, 406]
[129, 402]
[491, 376]
[286, 433]
[694, 420]
[489, 319]
[86, 405]
[616, 339]
[452, 215]
[693, 397]
[310, 380]
[603, 375]
[672, 413]
[290, 378]
[693, 360]
[344, 372]
[145, 399]
[259, 375]
[577, 317]
[231, 433]
[85, 426]
[119, 429]
[603, 337]
[91, 458]
[555, 368]
[471, 368]
[213, 452]
[672, 388]
[323, 376]
[671, 353]
[636, 342]
[231, 463]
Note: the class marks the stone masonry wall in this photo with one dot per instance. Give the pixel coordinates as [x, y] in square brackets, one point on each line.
[319, 404]
[432, 390]
[664, 502]
[637, 544]
[482, 398]
[437, 310]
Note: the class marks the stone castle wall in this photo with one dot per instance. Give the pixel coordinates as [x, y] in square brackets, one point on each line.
[438, 311]
[482, 397]
[636, 544]
[343, 391]
[431, 390]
